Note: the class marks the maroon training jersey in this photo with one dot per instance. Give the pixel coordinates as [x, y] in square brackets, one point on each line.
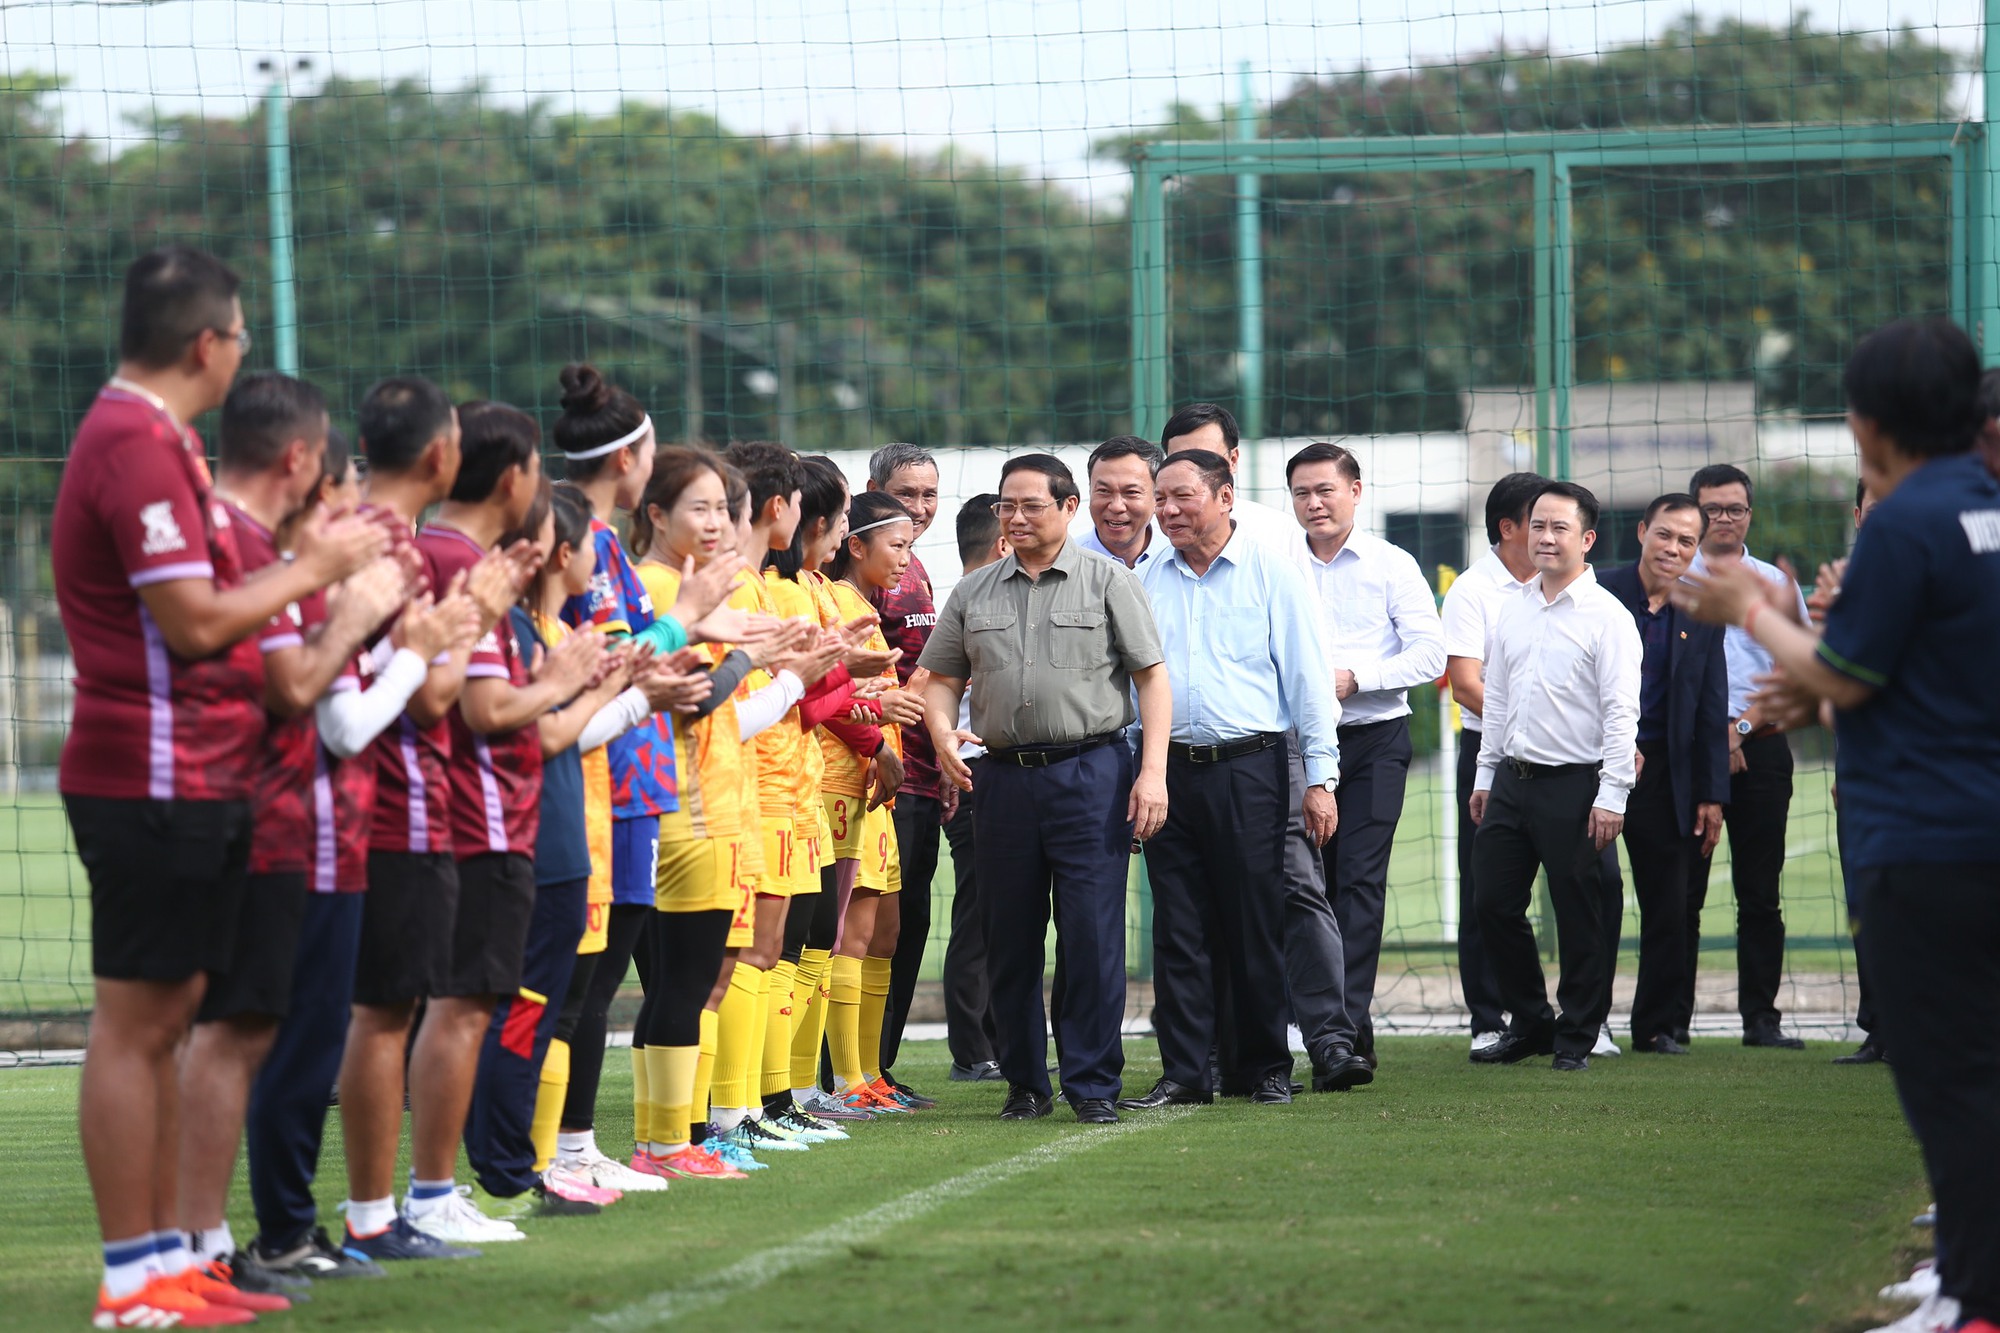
[136, 507]
[343, 803]
[412, 794]
[281, 832]
[908, 617]
[496, 780]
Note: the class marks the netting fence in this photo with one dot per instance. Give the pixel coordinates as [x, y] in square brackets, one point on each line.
[1610, 242]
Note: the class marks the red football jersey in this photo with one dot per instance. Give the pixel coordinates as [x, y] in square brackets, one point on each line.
[496, 780]
[136, 507]
[412, 794]
[908, 617]
[282, 827]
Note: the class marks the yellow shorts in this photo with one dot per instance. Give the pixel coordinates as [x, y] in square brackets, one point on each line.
[845, 818]
[743, 917]
[806, 845]
[881, 860]
[754, 868]
[782, 855]
[700, 875]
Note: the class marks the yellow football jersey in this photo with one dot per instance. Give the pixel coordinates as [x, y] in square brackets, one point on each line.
[710, 759]
[846, 771]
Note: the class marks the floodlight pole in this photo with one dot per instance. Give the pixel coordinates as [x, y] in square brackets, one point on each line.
[1250, 279]
[1985, 242]
[284, 283]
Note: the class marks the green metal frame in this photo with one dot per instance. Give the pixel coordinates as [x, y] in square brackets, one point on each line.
[1551, 158]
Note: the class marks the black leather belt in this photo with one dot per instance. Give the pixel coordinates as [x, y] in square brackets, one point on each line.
[1041, 756]
[1227, 750]
[1528, 772]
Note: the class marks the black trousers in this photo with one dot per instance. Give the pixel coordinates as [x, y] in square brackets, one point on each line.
[1315, 959]
[1218, 879]
[1475, 971]
[1057, 837]
[968, 1013]
[1760, 801]
[1544, 823]
[628, 922]
[1864, 1008]
[918, 822]
[1661, 844]
[1933, 936]
[1374, 771]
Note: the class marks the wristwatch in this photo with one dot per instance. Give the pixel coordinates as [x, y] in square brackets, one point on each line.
[1329, 785]
[1744, 727]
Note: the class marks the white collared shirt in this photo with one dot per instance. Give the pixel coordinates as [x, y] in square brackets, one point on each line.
[1471, 605]
[1381, 623]
[1157, 545]
[1562, 686]
[1746, 657]
[1274, 528]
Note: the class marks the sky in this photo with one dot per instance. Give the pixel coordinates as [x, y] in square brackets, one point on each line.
[1028, 82]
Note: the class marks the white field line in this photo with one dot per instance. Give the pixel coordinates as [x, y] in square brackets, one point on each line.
[766, 1266]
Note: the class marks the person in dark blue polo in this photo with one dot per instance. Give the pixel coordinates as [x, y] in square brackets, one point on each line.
[1675, 811]
[1919, 760]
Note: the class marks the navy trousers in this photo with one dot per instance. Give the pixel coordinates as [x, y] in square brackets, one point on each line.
[1057, 835]
[498, 1139]
[286, 1121]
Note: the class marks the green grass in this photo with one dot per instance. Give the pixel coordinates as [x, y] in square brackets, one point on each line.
[45, 910]
[1733, 1190]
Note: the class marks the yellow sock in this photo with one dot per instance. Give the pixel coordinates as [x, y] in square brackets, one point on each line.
[739, 1039]
[874, 1004]
[673, 1084]
[704, 1069]
[812, 992]
[642, 1096]
[550, 1093]
[843, 1022]
[778, 1009]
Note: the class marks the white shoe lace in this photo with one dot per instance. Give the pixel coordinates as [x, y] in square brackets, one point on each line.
[457, 1215]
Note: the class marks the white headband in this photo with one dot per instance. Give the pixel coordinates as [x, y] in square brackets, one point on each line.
[880, 523]
[645, 424]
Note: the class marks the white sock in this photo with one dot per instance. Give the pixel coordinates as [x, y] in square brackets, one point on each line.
[370, 1216]
[212, 1244]
[426, 1196]
[664, 1149]
[729, 1117]
[757, 1112]
[576, 1143]
[129, 1265]
[172, 1252]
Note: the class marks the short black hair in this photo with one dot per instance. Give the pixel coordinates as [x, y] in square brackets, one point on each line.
[1062, 485]
[1673, 503]
[495, 437]
[1213, 467]
[264, 413]
[399, 417]
[1721, 474]
[1510, 500]
[1320, 452]
[172, 296]
[1196, 415]
[771, 470]
[978, 526]
[1989, 392]
[1860, 494]
[1586, 503]
[339, 455]
[1918, 380]
[1126, 446]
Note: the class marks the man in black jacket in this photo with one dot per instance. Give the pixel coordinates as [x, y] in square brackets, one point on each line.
[1675, 812]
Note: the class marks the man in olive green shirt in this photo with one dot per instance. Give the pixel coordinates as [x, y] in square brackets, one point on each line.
[1053, 640]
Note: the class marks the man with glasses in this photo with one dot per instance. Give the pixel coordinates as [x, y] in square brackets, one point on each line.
[1052, 641]
[1760, 780]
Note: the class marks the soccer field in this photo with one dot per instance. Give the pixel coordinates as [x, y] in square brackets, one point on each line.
[1731, 1190]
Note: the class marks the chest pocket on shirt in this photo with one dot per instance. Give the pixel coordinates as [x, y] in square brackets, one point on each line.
[1243, 634]
[1077, 639]
[1561, 661]
[988, 644]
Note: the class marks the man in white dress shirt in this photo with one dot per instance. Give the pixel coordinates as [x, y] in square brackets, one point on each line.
[1121, 503]
[1209, 426]
[1383, 637]
[1471, 605]
[1557, 760]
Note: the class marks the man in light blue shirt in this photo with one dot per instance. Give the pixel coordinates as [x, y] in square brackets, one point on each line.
[1247, 663]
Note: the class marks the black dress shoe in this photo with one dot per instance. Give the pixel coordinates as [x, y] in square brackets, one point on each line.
[1165, 1093]
[1661, 1045]
[1339, 1069]
[1274, 1091]
[1868, 1053]
[1095, 1111]
[1571, 1064]
[1772, 1039]
[1512, 1048]
[1025, 1104]
[986, 1071]
[1681, 1035]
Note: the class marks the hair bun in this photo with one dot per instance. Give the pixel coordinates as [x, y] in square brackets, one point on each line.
[585, 391]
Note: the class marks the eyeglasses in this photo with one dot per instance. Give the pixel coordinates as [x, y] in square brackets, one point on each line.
[1731, 512]
[241, 338]
[1030, 510]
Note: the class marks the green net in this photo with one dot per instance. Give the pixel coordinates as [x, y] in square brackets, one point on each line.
[1623, 247]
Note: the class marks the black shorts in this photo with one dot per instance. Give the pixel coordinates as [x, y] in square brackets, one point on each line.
[489, 937]
[406, 927]
[165, 880]
[258, 978]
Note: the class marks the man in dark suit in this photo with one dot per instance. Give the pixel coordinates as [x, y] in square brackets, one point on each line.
[1675, 811]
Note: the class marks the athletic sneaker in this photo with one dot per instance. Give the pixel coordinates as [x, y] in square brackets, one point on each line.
[771, 1125]
[719, 1146]
[498, 1209]
[1938, 1314]
[455, 1220]
[573, 1184]
[1485, 1041]
[1922, 1284]
[248, 1273]
[865, 1098]
[165, 1302]
[210, 1282]
[1605, 1046]
[692, 1163]
[823, 1105]
[808, 1126]
[547, 1203]
[755, 1136]
[908, 1096]
[315, 1257]
[400, 1240]
[595, 1169]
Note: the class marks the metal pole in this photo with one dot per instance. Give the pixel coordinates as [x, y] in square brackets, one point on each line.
[1249, 279]
[1149, 302]
[284, 286]
[691, 333]
[1985, 245]
[1544, 313]
[1562, 312]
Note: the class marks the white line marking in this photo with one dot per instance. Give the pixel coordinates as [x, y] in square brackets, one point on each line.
[766, 1266]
